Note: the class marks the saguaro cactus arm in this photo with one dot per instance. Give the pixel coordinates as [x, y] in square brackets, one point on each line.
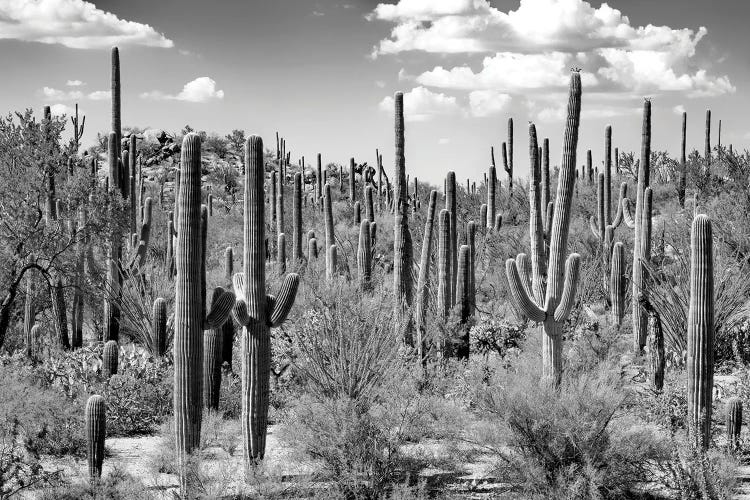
[628, 214]
[521, 297]
[284, 301]
[619, 214]
[570, 285]
[221, 308]
[524, 270]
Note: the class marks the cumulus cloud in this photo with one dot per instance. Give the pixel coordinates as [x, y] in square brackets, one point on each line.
[679, 109]
[75, 83]
[73, 23]
[488, 102]
[536, 44]
[201, 89]
[52, 94]
[63, 109]
[421, 104]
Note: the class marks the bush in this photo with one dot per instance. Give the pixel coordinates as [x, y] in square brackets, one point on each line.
[571, 442]
[117, 485]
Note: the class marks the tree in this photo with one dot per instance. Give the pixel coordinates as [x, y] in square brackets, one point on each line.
[29, 152]
[236, 141]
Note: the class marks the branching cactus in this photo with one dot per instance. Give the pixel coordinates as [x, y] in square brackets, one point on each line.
[423, 281]
[402, 244]
[255, 311]
[364, 256]
[190, 315]
[96, 431]
[159, 326]
[700, 331]
[558, 293]
[734, 423]
[110, 358]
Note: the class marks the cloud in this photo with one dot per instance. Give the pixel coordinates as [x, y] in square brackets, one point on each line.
[63, 109]
[75, 83]
[201, 89]
[52, 94]
[444, 140]
[679, 109]
[488, 102]
[535, 45]
[73, 23]
[421, 104]
[318, 13]
[558, 112]
[100, 95]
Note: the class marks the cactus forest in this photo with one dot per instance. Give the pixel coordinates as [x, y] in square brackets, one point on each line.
[561, 313]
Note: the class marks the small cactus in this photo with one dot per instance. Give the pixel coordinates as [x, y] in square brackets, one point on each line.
[357, 214]
[364, 256]
[159, 327]
[110, 358]
[483, 220]
[96, 432]
[734, 423]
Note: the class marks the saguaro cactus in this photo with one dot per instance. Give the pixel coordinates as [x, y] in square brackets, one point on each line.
[559, 295]
[700, 333]
[508, 158]
[463, 299]
[329, 236]
[617, 283]
[213, 340]
[450, 205]
[364, 256]
[115, 88]
[110, 358]
[332, 259]
[190, 317]
[255, 311]
[734, 423]
[683, 164]
[402, 244]
[352, 183]
[96, 431]
[423, 282]
[357, 213]
[484, 221]
[491, 193]
[159, 326]
[297, 219]
[369, 204]
[707, 149]
[444, 264]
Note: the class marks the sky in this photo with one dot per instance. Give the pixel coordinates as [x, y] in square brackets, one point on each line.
[323, 72]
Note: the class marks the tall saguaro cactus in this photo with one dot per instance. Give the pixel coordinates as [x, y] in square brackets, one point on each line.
[617, 283]
[700, 333]
[115, 87]
[402, 244]
[423, 281]
[444, 264]
[297, 219]
[491, 193]
[451, 206]
[364, 256]
[508, 159]
[683, 164]
[562, 279]
[328, 222]
[255, 311]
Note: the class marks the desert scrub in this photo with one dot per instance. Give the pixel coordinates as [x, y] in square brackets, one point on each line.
[51, 423]
[361, 402]
[499, 337]
[117, 485]
[571, 442]
[20, 468]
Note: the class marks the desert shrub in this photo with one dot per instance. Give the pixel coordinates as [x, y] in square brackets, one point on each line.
[117, 485]
[499, 337]
[20, 468]
[570, 442]
[361, 404]
[51, 423]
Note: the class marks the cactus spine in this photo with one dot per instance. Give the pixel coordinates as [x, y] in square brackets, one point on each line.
[255, 311]
[560, 288]
[700, 333]
[402, 244]
[423, 281]
[734, 423]
[96, 431]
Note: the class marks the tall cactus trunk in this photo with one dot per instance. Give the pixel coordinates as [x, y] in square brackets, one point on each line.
[297, 219]
[364, 256]
[491, 193]
[444, 264]
[451, 206]
[617, 283]
[328, 222]
[700, 333]
[189, 309]
[402, 244]
[423, 282]
[464, 300]
[683, 164]
[352, 183]
[640, 319]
